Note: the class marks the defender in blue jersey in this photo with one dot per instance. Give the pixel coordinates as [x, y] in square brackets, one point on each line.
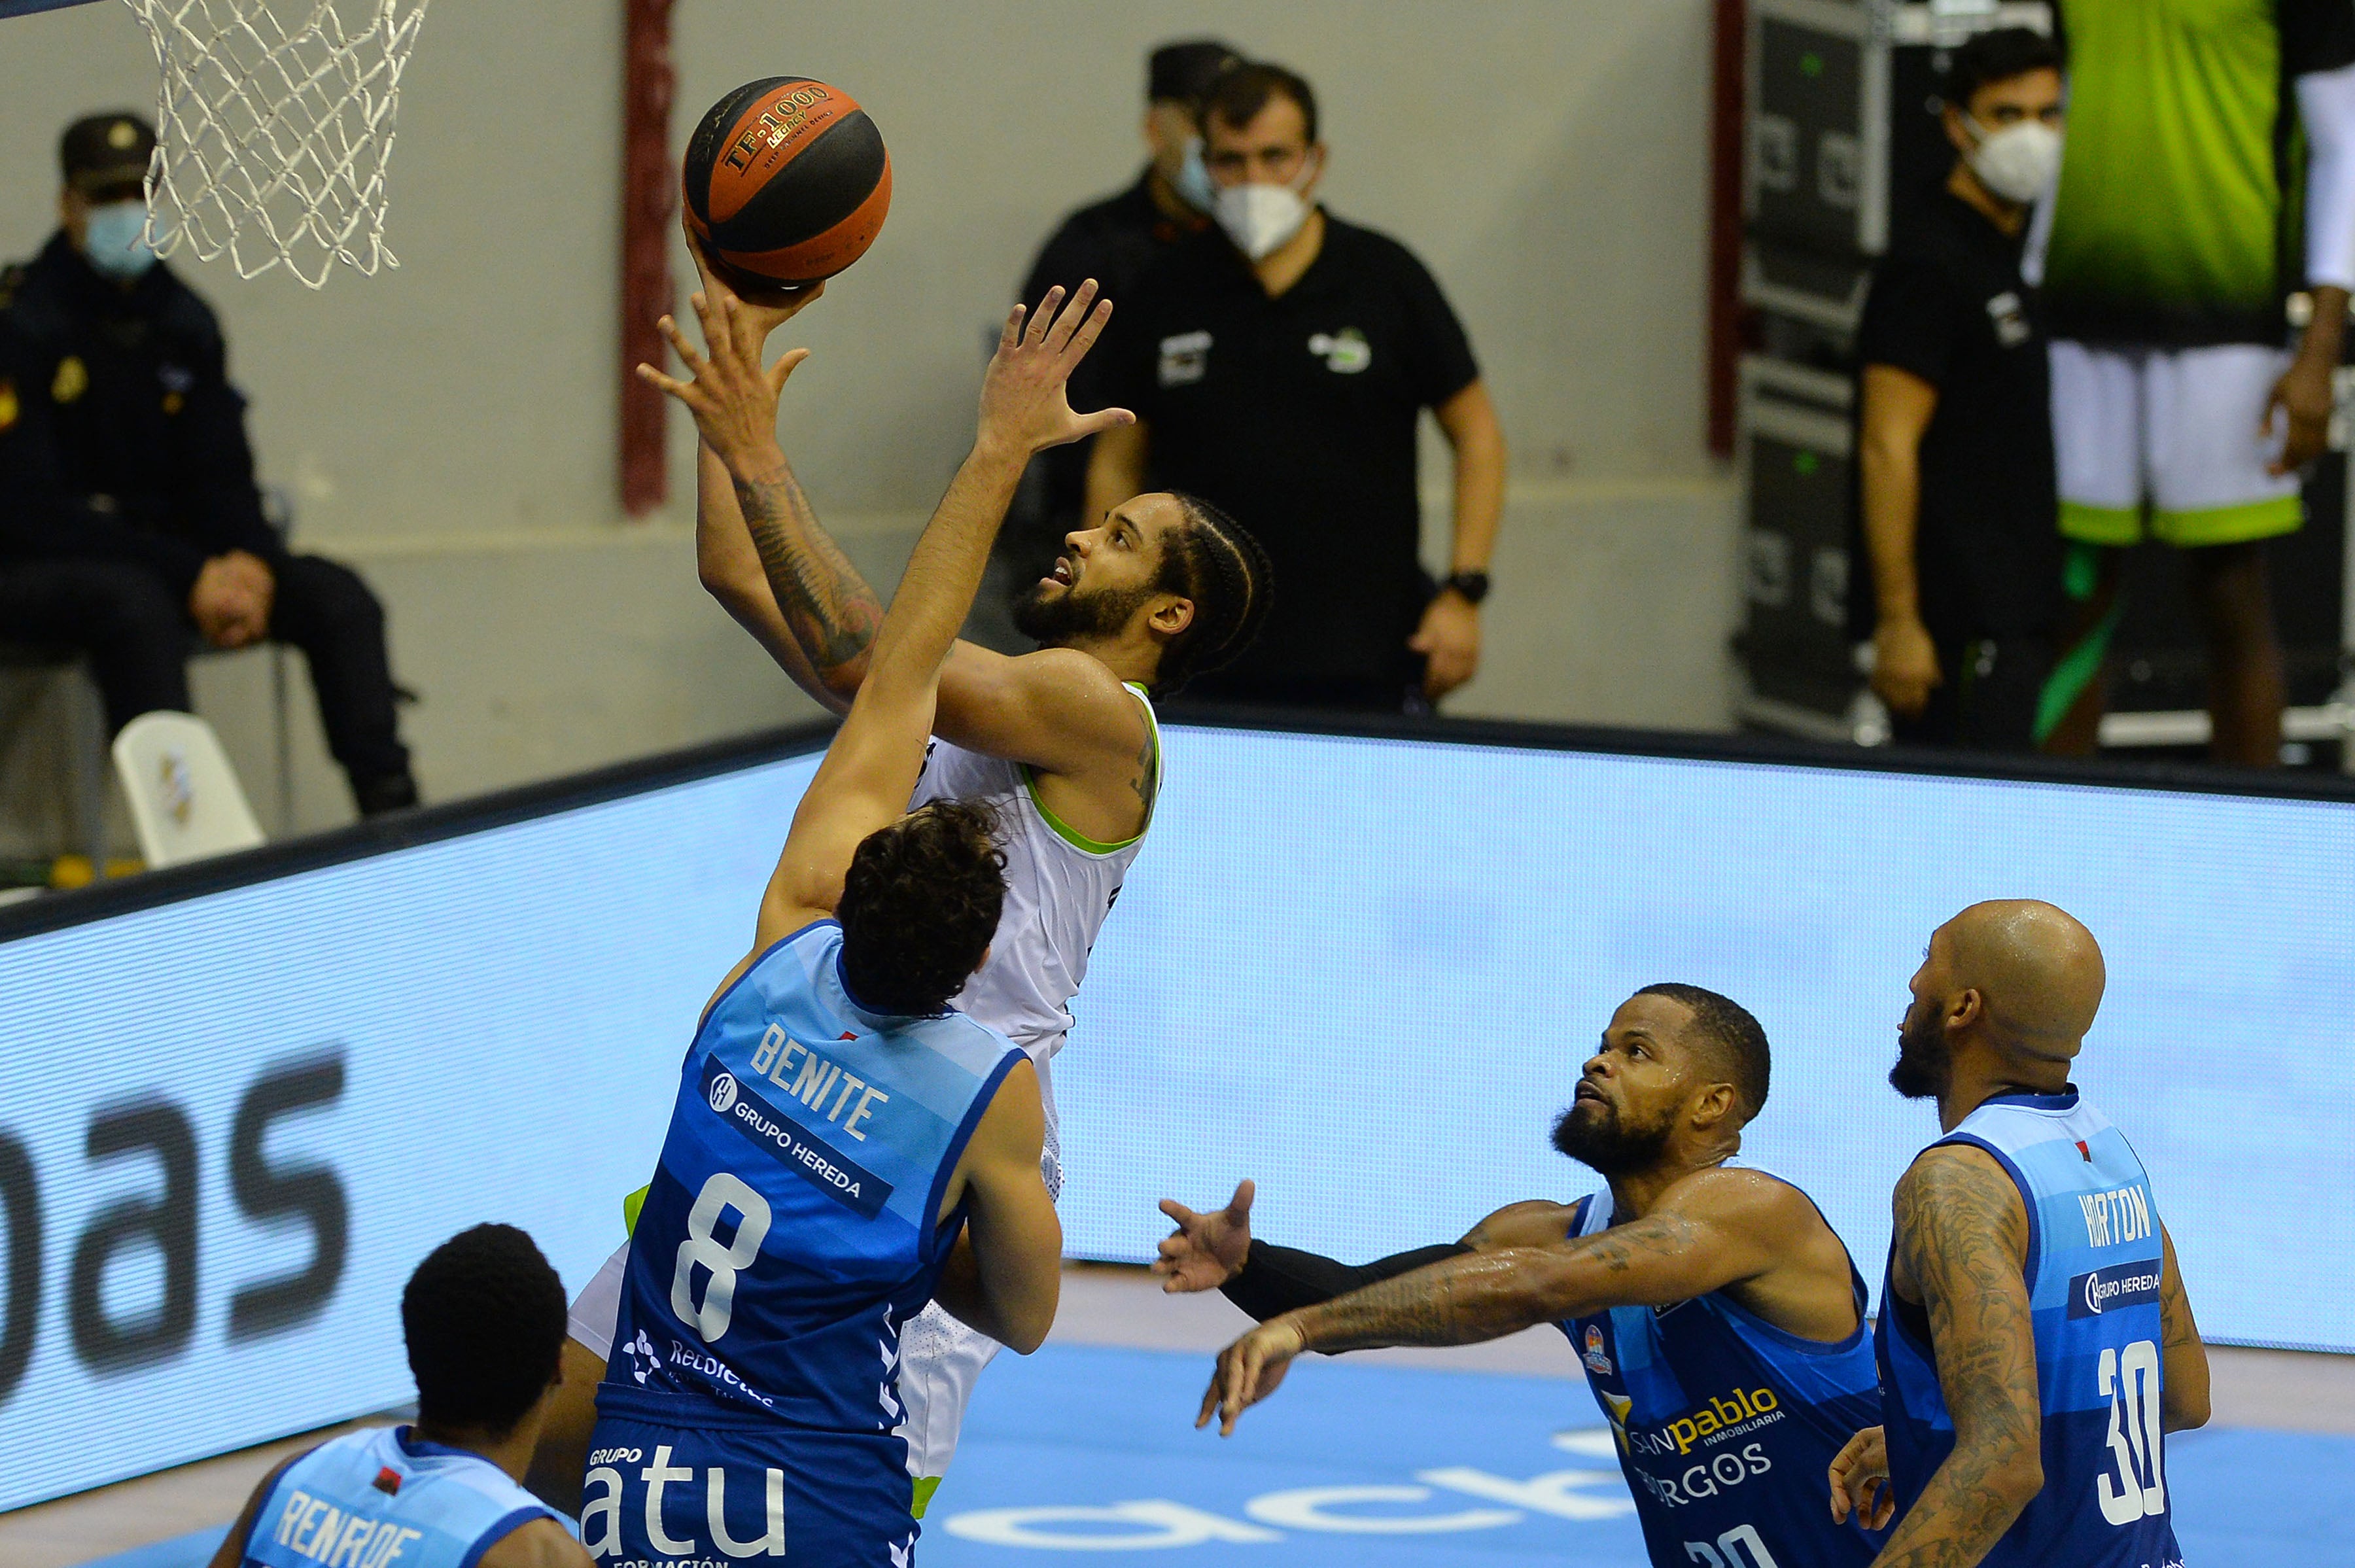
[1062, 742]
[2036, 1345]
[1720, 1321]
[845, 1148]
[483, 1317]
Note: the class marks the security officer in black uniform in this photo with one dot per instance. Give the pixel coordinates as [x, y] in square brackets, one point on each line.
[1278, 367]
[1112, 240]
[1960, 519]
[129, 519]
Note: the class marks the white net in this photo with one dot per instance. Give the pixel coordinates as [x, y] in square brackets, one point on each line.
[272, 140]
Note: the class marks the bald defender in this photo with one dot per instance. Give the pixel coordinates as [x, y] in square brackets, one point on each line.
[2035, 1344]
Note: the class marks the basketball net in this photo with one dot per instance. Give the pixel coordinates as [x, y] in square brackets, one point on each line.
[271, 142]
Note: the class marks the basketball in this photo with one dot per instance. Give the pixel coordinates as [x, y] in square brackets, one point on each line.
[787, 180]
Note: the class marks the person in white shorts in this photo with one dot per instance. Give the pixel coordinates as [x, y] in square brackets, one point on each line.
[2178, 412]
[1062, 742]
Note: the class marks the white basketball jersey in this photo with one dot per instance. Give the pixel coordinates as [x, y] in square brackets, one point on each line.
[1060, 885]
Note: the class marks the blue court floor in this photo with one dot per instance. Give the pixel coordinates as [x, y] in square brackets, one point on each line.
[1081, 1449]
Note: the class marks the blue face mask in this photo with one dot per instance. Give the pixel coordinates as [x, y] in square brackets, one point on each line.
[114, 242]
[1194, 185]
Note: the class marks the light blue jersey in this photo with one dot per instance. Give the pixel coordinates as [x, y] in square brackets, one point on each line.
[2094, 1262]
[383, 1499]
[1726, 1425]
[792, 1226]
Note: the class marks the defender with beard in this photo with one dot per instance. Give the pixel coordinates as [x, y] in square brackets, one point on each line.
[1720, 1320]
[2035, 1342]
[1062, 744]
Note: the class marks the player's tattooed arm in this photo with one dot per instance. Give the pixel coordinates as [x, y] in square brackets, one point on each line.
[831, 612]
[2183, 1358]
[1668, 1256]
[1960, 1248]
[1487, 1295]
[758, 546]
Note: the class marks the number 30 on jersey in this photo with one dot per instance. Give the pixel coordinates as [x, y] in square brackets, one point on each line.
[2130, 1379]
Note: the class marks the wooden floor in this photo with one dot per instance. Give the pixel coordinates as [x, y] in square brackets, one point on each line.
[2285, 1390]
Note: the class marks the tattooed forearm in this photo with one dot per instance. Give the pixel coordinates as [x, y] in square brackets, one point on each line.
[1486, 1295]
[1460, 1302]
[1962, 1236]
[832, 613]
[2183, 1357]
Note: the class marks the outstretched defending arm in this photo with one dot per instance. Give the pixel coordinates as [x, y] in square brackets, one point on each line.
[761, 551]
[1717, 1231]
[1960, 1248]
[1215, 1250]
[871, 767]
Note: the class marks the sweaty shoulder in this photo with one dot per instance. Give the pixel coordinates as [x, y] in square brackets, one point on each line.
[1957, 1172]
[1079, 693]
[1750, 1199]
[540, 1543]
[1070, 669]
[1953, 1198]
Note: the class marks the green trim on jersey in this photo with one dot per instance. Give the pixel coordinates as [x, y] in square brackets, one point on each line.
[2190, 527]
[1072, 836]
[2179, 193]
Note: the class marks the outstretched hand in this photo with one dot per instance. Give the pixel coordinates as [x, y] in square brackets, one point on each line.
[762, 309]
[734, 400]
[1206, 1250]
[1859, 1480]
[1024, 404]
[1248, 1371]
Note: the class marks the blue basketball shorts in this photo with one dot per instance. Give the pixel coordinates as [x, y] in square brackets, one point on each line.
[660, 1493]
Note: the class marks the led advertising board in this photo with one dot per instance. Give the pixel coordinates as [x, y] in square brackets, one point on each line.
[1363, 972]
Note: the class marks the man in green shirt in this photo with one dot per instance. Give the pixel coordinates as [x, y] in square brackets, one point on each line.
[2190, 208]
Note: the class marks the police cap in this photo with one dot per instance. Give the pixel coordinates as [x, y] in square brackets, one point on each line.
[105, 152]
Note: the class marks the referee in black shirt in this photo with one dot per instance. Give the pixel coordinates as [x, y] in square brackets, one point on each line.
[1277, 367]
[1960, 518]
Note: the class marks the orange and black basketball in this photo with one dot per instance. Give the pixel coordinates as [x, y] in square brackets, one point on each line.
[787, 180]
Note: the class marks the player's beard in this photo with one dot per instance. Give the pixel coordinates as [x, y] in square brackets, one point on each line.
[1056, 619]
[1601, 1141]
[1925, 1063]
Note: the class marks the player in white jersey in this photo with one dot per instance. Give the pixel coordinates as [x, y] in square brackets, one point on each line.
[1062, 741]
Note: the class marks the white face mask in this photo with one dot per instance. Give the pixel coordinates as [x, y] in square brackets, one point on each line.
[1260, 218]
[1193, 184]
[2018, 162]
[114, 242]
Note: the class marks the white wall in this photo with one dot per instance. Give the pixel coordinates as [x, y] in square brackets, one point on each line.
[449, 426]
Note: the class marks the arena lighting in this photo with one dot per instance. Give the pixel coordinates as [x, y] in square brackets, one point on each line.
[239, 1102]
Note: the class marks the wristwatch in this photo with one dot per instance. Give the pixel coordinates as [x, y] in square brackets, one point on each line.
[1471, 586]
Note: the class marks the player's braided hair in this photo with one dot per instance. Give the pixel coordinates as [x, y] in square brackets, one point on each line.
[484, 1319]
[1218, 566]
[918, 905]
